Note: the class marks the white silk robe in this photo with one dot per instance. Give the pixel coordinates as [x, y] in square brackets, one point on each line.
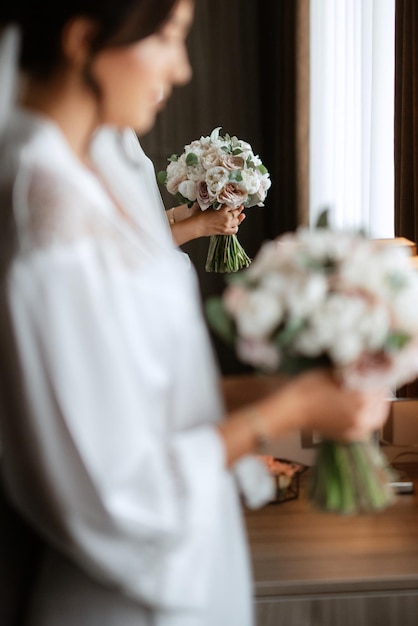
[110, 449]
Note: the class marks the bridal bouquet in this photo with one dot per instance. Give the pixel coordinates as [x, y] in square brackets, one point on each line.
[215, 171]
[318, 298]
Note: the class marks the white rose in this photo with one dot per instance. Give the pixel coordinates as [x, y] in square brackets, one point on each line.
[337, 324]
[305, 296]
[352, 272]
[261, 314]
[201, 145]
[323, 244]
[188, 189]
[404, 309]
[211, 159]
[310, 343]
[274, 257]
[195, 148]
[176, 173]
[234, 298]
[332, 329]
[264, 185]
[347, 349]
[374, 327]
[275, 282]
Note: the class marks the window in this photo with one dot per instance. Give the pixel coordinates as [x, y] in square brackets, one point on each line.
[352, 113]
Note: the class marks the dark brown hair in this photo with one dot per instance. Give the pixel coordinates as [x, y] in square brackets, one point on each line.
[42, 22]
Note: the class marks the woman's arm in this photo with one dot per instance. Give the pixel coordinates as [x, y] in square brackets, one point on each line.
[187, 224]
[312, 401]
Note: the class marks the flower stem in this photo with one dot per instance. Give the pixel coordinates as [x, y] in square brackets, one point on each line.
[225, 254]
[350, 478]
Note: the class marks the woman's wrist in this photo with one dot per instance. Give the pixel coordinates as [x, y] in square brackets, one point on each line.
[248, 430]
[181, 212]
[187, 230]
[260, 431]
[171, 216]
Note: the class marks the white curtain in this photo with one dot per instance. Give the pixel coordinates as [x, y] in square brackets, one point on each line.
[352, 113]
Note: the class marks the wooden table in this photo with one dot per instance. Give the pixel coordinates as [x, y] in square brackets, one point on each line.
[316, 569]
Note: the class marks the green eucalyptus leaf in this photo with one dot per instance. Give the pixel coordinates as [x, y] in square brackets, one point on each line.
[323, 219]
[235, 176]
[286, 335]
[162, 177]
[262, 168]
[396, 280]
[181, 199]
[396, 341]
[219, 320]
[192, 159]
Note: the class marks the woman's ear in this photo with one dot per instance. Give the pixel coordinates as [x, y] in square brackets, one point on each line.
[77, 39]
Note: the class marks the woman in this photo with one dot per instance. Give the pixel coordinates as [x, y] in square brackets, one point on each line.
[115, 446]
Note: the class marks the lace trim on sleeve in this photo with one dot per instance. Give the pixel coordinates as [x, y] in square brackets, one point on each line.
[51, 211]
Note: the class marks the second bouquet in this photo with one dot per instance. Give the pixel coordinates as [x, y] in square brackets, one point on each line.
[317, 298]
[214, 171]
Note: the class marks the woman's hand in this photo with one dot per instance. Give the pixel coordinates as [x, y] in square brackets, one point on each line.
[311, 401]
[193, 223]
[320, 403]
[222, 221]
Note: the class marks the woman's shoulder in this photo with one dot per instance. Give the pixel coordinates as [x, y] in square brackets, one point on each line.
[41, 187]
[30, 151]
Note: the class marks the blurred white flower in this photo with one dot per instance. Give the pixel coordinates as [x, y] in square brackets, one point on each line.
[305, 296]
[250, 181]
[260, 353]
[317, 294]
[261, 314]
[188, 189]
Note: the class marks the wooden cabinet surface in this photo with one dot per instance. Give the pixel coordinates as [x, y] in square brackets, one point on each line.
[317, 569]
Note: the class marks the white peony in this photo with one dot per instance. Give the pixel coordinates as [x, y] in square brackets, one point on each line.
[188, 189]
[216, 179]
[176, 173]
[196, 172]
[250, 181]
